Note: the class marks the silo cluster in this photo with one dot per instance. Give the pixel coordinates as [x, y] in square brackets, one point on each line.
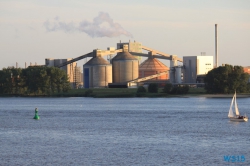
[123, 68]
[99, 73]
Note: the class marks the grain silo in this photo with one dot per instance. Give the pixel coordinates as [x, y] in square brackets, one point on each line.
[97, 73]
[125, 67]
[153, 66]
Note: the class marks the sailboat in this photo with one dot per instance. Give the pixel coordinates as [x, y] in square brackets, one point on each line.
[236, 117]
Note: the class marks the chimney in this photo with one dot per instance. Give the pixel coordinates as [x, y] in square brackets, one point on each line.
[216, 46]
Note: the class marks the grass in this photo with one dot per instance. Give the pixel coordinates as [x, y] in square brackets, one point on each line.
[117, 92]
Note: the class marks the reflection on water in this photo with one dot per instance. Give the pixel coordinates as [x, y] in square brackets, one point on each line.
[131, 131]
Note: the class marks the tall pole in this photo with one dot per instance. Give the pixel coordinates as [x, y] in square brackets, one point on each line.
[216, 46]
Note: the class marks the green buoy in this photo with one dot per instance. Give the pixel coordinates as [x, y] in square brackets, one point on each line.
[36, 114]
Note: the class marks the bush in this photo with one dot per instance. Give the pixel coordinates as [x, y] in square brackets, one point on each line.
[153, 88]
[167, 88]
[141, 89]
[180, 89]
[88, 93]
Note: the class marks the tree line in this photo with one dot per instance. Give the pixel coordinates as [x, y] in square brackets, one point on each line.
[227, 79]
[34, 80]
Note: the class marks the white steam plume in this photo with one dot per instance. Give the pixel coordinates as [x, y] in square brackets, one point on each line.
[101, 26]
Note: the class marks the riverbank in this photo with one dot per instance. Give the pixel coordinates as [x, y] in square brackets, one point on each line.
[129, 93]
[219, 95]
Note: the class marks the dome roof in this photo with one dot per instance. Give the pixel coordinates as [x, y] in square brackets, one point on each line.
[153, 64]
[124, 56]
[97, 61]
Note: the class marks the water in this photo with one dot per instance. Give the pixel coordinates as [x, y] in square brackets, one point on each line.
[114, 131]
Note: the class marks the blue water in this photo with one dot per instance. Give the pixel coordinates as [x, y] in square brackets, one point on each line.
[118, 131]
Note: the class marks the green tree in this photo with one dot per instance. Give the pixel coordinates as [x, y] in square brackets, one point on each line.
[33, 80]
[153, 88]
[226, 79]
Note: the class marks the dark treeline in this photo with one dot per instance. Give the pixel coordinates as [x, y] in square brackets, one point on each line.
[34, 80]
[227, 79]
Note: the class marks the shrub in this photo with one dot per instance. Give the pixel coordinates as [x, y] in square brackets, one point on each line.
[180, 89]
[88, 92]
[141, 89]
[153, 88]
[167, 88]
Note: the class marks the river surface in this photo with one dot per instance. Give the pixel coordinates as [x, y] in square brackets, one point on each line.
[122, 131]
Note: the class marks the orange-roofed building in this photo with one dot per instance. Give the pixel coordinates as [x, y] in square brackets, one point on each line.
[153, 66]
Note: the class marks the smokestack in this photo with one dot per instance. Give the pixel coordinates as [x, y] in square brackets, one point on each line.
[216, 46]
[25, 65]
[16, 65]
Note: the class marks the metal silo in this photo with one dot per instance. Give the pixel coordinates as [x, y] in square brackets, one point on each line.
[97, 72]
[125, 67]
[178, 74]
[153, 66]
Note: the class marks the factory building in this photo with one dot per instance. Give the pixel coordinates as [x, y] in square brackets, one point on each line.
[195, 66]
[78, 78]
[71, 69]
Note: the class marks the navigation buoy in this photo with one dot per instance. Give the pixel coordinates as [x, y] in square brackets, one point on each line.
[36, 114]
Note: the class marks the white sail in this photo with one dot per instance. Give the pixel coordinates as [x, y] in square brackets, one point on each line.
[230, 113]
[236, 106]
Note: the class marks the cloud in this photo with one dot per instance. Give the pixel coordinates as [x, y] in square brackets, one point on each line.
[101, 26]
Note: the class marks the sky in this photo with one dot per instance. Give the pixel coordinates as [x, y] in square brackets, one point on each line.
[33, 30]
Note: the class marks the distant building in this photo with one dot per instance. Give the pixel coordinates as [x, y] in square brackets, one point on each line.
[196, 65]
[247, 70]
[73, 72]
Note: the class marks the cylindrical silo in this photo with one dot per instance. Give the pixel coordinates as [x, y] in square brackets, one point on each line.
[153, 66]
[97, 72]
[125, 67]
[178, 75]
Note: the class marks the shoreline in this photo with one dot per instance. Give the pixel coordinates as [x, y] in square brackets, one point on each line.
[170, 96]
[218, 95]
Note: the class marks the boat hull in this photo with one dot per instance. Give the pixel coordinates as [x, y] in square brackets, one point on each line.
[238, 120]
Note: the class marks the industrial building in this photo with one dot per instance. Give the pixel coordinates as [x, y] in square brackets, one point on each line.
[73, 72]
[194, 66]
[124, 69]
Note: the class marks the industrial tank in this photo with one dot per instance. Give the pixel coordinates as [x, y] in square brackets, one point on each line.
[178, 74]
[153, 66]
[125, 67]
[97, 72]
